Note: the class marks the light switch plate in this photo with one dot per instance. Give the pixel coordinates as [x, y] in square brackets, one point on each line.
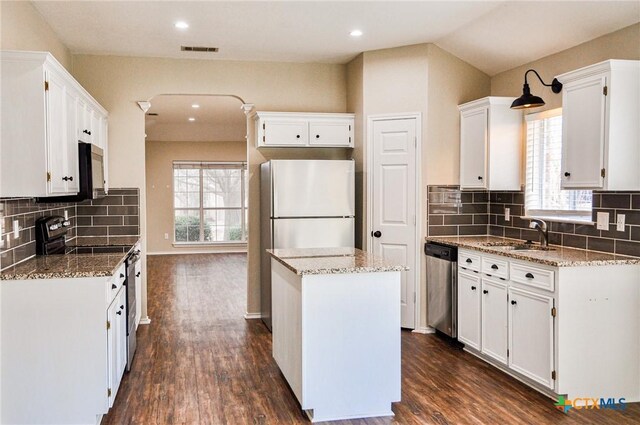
[166, 236]
[603, 221]
[620, 218]
[507, 214]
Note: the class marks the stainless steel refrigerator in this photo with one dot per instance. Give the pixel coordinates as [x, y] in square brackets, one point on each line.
[304, 204]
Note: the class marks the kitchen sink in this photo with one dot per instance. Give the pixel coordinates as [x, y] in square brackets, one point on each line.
[524, 247]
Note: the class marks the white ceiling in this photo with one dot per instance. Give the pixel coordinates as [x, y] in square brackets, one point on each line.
[487, 34]
[218, 119]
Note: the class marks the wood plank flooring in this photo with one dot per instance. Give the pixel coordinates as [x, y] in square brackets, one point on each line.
[200, 362]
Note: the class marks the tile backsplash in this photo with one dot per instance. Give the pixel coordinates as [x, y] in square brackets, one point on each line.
[584, 236]
[114, 219]
[455, 212]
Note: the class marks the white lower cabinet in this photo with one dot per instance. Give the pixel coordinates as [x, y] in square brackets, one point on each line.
[116, 343]
[494, 319]
[469, 308]
[531, 335]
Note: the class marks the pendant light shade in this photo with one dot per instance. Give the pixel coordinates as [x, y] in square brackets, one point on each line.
[527, 100]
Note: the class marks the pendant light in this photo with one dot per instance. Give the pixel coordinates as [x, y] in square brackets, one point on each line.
[527, 100]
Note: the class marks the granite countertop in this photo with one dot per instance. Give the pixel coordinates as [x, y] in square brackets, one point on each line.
[65, 266]
[558, 257]
[311, 261]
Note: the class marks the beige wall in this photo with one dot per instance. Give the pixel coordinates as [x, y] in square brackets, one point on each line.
[159, 157]
[23, 28]
[622, 44]
[118, 82]
[355, 104]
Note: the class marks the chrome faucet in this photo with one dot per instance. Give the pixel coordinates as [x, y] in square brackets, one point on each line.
[541, 226]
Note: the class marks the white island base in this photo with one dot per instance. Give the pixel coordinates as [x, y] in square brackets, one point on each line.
[336, 339]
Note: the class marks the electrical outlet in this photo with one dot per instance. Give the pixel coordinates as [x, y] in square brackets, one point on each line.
[16, 229]
[603, 221]
[507, 214]
[620, 222]
[166, 236]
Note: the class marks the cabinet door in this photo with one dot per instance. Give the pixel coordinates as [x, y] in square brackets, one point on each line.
[84, 122]
[104, 144]
[494, 319]
[330, 133]
[531, 335]
[112, 351]
[94, 127]
[138, 271]
[71, 163]
[285, 133]
[473, 148]
[583, 133]
[469, 309]
[121, 334]
[56, 134]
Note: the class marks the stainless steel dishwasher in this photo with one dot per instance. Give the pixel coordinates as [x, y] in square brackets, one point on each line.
[442, 288]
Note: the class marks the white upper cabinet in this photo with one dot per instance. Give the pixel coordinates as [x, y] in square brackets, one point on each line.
[43, 113]
[600, 126]
[288, 129]
[490, 144]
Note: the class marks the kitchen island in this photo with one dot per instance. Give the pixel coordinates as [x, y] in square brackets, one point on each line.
[336, 330]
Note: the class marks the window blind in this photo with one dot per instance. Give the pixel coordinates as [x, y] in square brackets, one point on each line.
[191, 165]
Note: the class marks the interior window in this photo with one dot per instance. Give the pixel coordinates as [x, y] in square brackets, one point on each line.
[210, 202]
[543, 196]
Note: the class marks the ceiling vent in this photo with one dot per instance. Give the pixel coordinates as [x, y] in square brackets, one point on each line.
[198, 49]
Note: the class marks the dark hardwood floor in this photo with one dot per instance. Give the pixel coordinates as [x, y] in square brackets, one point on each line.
[200, 362]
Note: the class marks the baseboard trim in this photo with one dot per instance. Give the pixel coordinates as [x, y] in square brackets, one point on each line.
[251, 316]
[424, 330]
[145, 320]
[201, 251]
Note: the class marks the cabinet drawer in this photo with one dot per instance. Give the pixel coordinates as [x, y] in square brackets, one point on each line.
[330, 133]
[469, 261]
[532, 276]
[285, 133]
[495, 267]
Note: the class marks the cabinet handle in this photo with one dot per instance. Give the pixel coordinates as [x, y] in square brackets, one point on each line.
[479, 177]
[297, 136]
[119, 313]
[473, 288]
[86, 132]
[121, 307]
[69, 178]
[528, 276]
[485, 291]
[494, 267]
[317, 136]
[469, 260]
[113, 286]
[514, 302]
[567, 174]
[138, 274]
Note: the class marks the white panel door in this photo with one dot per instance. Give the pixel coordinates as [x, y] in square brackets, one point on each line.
[469, 309]
[313, 188]
[394, 203]
[313, 232]
[494, 319]
[473, 148]
[531, 335]
[583, 133]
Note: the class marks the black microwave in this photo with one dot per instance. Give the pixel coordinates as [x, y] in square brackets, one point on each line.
[91, 176]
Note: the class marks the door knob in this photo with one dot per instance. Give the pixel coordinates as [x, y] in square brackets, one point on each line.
[514, 302]
[376, 234]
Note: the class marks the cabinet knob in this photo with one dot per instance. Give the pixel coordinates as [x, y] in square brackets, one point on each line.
[121, 275]
[68, 178]
[494, 267]
[528, 276]
[514, 302]
[118, 312]
[121, 307]
[469, 260]
[567, 174]
[138, 274]
[473, 288]
[86, 131]
[297, 136]
[485, 291]
[479, 177]
[113, 286]
[317, 136]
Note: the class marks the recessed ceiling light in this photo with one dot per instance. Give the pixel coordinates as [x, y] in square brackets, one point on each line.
[182, 25]
[195, 106]
[355, 33]
[192, 119]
